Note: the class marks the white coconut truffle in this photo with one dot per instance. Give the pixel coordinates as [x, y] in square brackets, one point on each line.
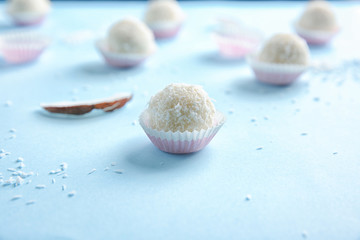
[285, 48]
[130, 36]
[163, 11]
[181, 107]
[318, 16]
[28, 6]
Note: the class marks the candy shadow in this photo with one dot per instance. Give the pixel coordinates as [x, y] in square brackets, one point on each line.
[142, 155]
[100, 69]
[216, 58]
[251, 88]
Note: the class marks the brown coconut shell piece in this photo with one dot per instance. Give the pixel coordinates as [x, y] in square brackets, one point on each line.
[78, 108]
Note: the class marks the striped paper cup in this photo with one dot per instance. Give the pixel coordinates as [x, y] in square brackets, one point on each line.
[316, 37]
[275, 74]
[22, 47]
[120, 60]
[181, 142]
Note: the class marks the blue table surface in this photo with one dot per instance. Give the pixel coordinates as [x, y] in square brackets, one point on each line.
[301, 185]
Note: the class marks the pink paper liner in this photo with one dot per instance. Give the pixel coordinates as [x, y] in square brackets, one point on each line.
[22, 47]
[36, 21]
[275, 74]
[164, 32]
[167, 33]
[234, 39]
[235, 47]
[315, 37]
[178, 142]
[119, 60]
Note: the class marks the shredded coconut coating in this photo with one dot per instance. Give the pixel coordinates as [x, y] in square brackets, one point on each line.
[319, 16]
[181, 107]
[130, 36]
[285, 49]
[163, 11]
[28, 6]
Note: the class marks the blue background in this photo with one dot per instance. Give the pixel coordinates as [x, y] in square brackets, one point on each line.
[298, 185]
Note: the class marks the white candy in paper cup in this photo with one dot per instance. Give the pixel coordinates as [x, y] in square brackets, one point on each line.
[117, 59]
[181, 142]
[22, 47]
[313, 37]
[275, 74]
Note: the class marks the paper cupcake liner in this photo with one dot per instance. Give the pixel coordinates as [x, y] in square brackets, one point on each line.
[119, 60]
[235, 46]
[22, 47]
[315, 37]
[276, 74]
[234, 39]
[27, 19]
[181, 142]
[163, 31]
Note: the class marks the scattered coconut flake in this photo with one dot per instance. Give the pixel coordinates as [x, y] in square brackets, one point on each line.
[71, 194]
[134, 123]
[63, 166]
[19, 180]
[12, 136]
[334, 153]
[16, 197]
[119, 171]
[12, 130]
[248, 197]
[253, 120]
[60, 173]
[20, 159]
[8, 182]
[53, 181]
[21, 165]
[54, 171]
[92, 171]
[65, 176]
[259, 148]
[40, 186]
[304, 134]
[63, 187]
[106, 169]
[28, 182]
[113, 164]
[316, 99]
[266, 117]
[31, 202]
[11, 169]
[231, 111]
[2, 150]
[304, 234]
